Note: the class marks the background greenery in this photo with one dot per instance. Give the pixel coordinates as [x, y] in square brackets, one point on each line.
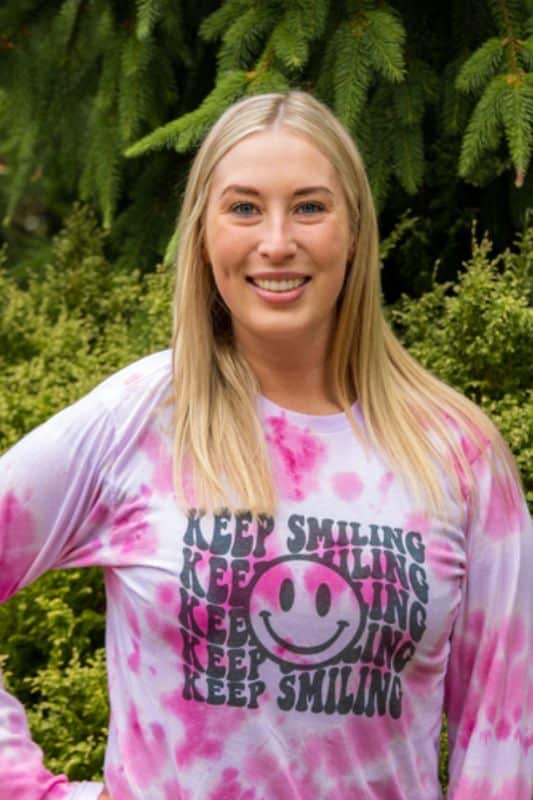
[103, 102]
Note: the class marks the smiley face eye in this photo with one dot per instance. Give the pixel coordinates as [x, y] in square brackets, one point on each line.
[323, 599]
[286, 594]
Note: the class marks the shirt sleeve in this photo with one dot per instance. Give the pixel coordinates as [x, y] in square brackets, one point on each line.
[51, 485]
[489, 682]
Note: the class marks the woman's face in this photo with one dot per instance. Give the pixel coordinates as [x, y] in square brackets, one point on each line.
[278, 239]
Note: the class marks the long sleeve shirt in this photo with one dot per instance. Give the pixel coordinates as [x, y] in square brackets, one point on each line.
[306, 654]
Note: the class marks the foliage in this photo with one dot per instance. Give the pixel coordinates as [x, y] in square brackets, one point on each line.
[477, 335]
[439, 98]
[82, 318]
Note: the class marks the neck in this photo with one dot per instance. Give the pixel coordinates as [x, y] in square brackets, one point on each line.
[294, 376]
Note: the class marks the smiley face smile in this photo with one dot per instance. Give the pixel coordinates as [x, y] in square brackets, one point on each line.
[303, 650]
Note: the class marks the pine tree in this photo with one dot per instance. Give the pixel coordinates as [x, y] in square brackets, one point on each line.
[106, 101]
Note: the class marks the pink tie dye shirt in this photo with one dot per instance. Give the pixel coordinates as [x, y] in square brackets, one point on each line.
[252, 658]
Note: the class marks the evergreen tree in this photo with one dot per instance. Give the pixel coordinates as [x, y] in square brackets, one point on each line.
[439, 98]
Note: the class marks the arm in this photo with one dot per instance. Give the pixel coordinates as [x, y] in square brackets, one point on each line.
[50, 487]
[489, 684]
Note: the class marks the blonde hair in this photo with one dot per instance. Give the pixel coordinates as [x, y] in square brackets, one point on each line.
[410, 416]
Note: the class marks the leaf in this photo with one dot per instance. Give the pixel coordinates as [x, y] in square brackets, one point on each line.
[289, 43]
[484, 130]
[148, 14]
[408, 148]
[386, 37]
[517, 116]
[525, 53]
[481, 66]
[243, 40]
[352, 73]
[216, 24]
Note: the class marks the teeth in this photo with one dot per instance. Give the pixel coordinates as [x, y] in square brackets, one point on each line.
[279, 286]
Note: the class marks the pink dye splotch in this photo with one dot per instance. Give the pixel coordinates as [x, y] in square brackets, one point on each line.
[17, 543]
[267, 588]
[317, 575]
[385, 483]
[25, 778]
[489, 789]
[297, 457]
[143, 749]
[170, 633]
[443, 560]
[197, 741]
[131, 532]
[134, 658]
[264, 770]
[496, 661]
[503, 515]
[153, 446]
[229, 788]
[347, 485]
[173, 791]
[117, 783]
[417, 521]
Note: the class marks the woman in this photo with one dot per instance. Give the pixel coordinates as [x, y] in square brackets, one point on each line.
[314, 547]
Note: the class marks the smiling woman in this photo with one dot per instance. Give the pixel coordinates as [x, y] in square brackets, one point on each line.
[311, 546]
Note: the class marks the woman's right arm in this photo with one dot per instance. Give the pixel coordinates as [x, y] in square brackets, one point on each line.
[51, 487]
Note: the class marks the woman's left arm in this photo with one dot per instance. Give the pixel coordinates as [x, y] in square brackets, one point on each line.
[489, 682]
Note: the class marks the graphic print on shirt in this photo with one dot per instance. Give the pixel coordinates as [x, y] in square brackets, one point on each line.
[325, 626]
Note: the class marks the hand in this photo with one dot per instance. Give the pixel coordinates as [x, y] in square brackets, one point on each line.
[104, 795]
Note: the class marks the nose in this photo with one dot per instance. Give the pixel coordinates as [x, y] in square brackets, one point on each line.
[277, 243]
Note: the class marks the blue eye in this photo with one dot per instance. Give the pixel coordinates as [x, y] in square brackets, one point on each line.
[243, 209]
[310, 207]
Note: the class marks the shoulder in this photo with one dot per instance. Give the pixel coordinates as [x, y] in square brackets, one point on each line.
[151, 375]
[135, 391]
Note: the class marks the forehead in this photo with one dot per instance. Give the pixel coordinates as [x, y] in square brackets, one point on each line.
[275, 156]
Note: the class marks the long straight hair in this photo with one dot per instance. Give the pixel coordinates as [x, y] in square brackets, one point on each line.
[417, 422]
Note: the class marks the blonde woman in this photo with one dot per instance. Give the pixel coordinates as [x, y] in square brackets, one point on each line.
[311, 546]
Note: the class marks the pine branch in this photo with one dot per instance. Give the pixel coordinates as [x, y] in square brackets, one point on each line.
[148, 15]
[525, 53]
[267, 80]
[517, 116]
[408, 155]
[289, 42]
[386, 36]
[309, 15]
[242, 41]
[508, 15]
[135, 86]
[67, 22]
[481, 66]
[216, 24]
[195, 125]
[373, 135]
[455, 106]
[410, 98]
[184, 132]
[484, 130]
[352, 74]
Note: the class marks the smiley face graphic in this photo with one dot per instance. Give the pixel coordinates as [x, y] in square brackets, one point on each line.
[303, 612]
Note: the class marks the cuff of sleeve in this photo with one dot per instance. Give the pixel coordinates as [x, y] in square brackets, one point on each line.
[85, 791]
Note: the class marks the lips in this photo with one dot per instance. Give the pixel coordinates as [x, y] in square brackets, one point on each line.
[278, 283]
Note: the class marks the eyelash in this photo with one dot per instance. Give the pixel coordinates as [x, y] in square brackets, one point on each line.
[236, 208]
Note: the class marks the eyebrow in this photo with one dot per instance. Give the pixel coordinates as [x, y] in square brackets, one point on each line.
[248, 190]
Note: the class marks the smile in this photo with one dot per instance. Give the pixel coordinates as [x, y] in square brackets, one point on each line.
[265, 615]
[278, 285]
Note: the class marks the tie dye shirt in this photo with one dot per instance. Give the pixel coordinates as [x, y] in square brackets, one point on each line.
[308, 655]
